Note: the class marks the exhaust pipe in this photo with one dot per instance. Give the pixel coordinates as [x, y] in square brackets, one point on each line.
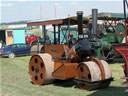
[80, 24]
[94, 23]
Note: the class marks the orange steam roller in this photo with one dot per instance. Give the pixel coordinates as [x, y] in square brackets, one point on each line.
[78, 63]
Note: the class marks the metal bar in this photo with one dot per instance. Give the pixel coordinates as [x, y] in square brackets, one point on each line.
[54, 34]
[94, 23]
[64, 34]
[58, 34]
[38, 47]
[44, 33]
[69, 30]
[124, 1]
[80, 24]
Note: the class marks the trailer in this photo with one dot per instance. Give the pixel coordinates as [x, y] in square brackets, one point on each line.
[12, 36]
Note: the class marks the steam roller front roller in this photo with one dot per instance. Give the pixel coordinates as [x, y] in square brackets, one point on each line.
[93, 74]
[41, 67]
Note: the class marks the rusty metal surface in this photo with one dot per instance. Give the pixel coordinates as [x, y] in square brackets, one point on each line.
[72, 54]
[99, 63]
[56, 51]
[41, 67]
[65, 71]
[38, 23]
[83, 72]
[107, 69]
[90, 71]
[123, 51]
[57, 65]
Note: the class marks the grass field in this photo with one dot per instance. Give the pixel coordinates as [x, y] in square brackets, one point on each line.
[15, 81]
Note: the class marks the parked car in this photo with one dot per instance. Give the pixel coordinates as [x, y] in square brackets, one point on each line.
[15, 50]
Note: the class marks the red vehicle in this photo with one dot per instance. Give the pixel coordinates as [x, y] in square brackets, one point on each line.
[30, 39]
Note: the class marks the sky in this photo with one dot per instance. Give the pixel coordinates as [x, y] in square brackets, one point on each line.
[18, 10]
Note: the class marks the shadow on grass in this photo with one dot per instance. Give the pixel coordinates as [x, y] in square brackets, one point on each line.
[110, 91]
[64, 83]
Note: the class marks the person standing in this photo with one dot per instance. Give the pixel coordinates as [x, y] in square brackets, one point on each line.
[1, 42]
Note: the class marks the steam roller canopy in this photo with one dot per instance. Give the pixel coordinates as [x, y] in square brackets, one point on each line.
[41, 67]
[91, 75]
[120, 32]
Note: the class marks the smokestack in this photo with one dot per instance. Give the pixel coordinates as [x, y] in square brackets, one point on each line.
[80, 24]
[94, 23]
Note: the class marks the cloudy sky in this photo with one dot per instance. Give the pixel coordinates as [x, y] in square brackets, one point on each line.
[18, 10]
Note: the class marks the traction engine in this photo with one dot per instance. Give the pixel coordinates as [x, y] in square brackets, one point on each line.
[122, 49]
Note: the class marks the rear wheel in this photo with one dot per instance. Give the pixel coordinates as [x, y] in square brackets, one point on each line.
[11, 55]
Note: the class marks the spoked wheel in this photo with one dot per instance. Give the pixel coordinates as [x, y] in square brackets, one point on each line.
[90, 74]
[108, 55]
[41, 67]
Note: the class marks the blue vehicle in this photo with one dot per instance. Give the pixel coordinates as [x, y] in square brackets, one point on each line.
[15, 50]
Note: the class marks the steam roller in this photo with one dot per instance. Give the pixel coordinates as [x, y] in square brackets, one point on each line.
[89, 74]
[78, 63]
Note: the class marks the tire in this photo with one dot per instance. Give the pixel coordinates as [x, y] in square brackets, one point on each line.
[11, 55]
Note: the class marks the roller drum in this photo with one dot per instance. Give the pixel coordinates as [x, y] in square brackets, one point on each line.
[41, 67]
[90, 71]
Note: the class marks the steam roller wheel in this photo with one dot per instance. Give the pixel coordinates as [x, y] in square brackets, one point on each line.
[41, 67]
[90, 71]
